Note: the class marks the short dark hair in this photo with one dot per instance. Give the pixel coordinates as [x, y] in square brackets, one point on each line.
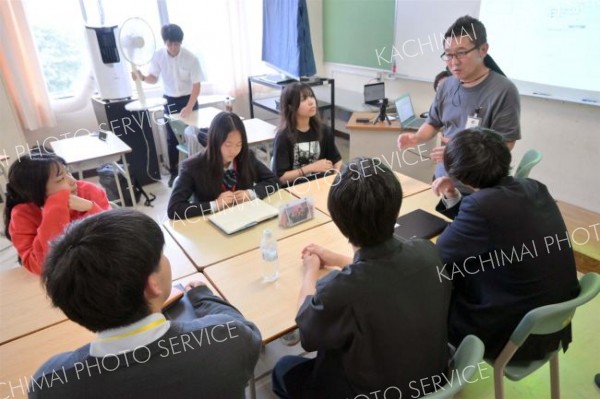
[470, 26]
[97, 271]
[442, 75]
[478, 157]
[172, 33]
[364, 201]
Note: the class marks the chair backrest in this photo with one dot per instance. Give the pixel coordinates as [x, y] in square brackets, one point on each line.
[529, 160]
[466, 359]
[552, 318]
[178, 126]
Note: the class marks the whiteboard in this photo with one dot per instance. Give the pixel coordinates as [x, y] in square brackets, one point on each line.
[548, 48]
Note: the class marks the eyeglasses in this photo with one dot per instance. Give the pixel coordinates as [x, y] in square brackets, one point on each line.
[459, 55]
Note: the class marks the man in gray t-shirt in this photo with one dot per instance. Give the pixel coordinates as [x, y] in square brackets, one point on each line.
[473, 96]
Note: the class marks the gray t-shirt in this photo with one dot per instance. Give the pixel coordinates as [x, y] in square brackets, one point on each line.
[497, 102]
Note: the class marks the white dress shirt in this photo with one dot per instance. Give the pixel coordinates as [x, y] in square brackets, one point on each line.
[178, 73]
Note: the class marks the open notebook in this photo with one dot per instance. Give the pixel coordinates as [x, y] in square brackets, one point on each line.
[244, 215]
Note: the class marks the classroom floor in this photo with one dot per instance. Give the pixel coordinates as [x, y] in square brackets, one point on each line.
[577, 367]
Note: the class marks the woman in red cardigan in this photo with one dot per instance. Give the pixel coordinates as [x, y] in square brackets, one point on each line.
[42, 198]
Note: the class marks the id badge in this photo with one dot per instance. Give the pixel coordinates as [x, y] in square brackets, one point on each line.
[473, 121]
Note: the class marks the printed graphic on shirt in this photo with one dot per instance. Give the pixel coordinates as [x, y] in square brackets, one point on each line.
[305, 153]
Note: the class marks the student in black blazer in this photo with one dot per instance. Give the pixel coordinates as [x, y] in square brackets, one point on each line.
[226, 174]
[507, 250]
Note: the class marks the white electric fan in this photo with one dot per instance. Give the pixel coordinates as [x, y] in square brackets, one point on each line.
[137, 46]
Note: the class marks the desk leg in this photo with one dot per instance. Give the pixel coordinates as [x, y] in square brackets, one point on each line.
[128, 178]
[116, 175]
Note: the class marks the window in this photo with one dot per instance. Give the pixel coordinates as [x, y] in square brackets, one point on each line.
[61, 46]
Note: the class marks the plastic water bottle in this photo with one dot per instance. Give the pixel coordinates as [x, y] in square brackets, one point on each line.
[268, 249]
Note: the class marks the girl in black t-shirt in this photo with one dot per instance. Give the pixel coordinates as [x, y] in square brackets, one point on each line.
[302, 147]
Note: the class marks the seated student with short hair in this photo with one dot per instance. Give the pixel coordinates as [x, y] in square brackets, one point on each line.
[495, 250]
[225, 174]
[108, 273]
[303, 148]
[42, 198]
[380, 321]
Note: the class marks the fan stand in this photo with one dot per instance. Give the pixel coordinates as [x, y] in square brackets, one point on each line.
[138, 86]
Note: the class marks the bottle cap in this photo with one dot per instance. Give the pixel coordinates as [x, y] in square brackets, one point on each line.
[267, 233]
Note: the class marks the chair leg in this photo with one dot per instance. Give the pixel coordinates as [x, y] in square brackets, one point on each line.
[554, 377]
[499, 382]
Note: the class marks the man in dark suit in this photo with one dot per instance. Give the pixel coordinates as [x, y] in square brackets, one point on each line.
[507, 250]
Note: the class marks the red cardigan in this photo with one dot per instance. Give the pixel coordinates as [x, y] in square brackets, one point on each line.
[33, 228]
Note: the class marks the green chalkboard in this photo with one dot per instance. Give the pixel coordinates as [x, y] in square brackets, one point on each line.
[356, 31]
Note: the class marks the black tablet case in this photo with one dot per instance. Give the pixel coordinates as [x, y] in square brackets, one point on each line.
[419, 224]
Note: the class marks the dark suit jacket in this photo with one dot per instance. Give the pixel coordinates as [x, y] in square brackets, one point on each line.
[379, 322]
[193, 180]
[503, 255]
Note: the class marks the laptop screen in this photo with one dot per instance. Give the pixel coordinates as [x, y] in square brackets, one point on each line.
[404, 108]
[374, 92]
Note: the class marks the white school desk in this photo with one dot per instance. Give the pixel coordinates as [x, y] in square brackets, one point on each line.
[318, 189]
[88, 152]
[258, 131]
[205, 244]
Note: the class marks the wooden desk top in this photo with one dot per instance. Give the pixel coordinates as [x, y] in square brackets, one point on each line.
[181, 266]
[580, 224]
[425, 200]
[21, 358]
[319, 189]
[378, 127]
[24, 307]
[272, 306]
[205, 244]
[87, 148]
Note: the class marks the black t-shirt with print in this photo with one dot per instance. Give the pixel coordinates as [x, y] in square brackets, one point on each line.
[306, 150]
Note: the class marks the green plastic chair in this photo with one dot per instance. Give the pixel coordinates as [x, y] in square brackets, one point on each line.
[178, 127]
[466, 358]
[542, 321]
[529, 160]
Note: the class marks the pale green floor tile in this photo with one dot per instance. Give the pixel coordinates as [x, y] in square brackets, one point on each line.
[578, 366]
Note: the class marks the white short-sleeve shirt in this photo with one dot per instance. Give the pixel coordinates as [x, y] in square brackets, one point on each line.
[178, 74]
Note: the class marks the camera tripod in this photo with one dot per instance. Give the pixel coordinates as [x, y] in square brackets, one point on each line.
[382, 116]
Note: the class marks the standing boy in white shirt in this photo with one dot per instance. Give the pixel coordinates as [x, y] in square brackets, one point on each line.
[181, 83]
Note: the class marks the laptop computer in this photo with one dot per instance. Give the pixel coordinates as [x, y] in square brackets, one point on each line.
[406, 113]
[374, 92]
